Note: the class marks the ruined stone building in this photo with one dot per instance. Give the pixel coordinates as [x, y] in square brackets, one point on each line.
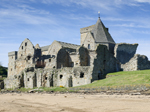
[68, 65]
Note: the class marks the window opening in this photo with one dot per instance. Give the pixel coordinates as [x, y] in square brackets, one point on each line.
[22, 47]
[29, 57]
[61, 76]
[26, 44]
[49, 60]
[45, 78]
[89, 46]
[72, 64]
[81, 75]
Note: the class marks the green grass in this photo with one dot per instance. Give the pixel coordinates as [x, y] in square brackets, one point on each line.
[123, 78]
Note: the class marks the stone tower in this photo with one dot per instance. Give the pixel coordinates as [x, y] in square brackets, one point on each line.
[96, 34]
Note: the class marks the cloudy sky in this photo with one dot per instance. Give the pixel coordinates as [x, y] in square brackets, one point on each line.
[43, 21]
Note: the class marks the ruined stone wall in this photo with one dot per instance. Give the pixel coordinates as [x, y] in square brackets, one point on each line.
[124, 52]
[80, 57]
[20, 65]
[62, 58]
[76, 76]
[66, 76]
[138, 62]
[89, 42]
[83, 36]
[84, 32]
[83, 56]
[12, 56]
[54, 48]
[45, 77]
[18, 61]
[26, 49]
[104, 63]
[51, 62]
[92, 56]
[30, 80]
[74, 60]
[14, 81]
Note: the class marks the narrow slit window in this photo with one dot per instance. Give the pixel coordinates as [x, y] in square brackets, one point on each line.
[89, 47]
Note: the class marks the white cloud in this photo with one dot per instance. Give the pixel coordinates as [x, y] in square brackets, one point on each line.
[143, 1]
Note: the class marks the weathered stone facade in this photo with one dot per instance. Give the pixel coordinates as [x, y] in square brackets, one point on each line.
[138, 62]
[124, 52]
[68, 65]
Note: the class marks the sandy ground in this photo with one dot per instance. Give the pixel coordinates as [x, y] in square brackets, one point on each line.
[73, 103]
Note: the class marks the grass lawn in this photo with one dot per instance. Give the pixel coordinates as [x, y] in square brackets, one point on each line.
[123, 78]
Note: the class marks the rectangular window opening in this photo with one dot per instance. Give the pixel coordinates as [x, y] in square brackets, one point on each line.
[81, 75]
[89, 47]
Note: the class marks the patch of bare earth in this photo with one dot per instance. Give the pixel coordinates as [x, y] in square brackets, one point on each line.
[73, 103]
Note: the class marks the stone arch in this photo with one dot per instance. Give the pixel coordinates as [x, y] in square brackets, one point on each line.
[62, 58]
[26, 48]
[83, 56]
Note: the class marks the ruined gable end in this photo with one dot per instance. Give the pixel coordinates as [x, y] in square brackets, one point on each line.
[124, 52]
[26, 48]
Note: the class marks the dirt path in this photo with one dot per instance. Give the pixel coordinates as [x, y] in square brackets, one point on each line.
[73, 103]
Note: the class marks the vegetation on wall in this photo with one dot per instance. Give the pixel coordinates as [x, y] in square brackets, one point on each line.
[3, 71]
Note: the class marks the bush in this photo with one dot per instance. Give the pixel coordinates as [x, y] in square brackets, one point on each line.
[3, 71]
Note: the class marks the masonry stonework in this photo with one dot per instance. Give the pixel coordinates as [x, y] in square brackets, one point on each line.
[69, 65]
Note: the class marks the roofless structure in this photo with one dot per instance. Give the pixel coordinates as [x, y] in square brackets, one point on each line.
[68, 65]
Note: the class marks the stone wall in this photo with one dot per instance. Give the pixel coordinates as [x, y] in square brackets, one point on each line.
[14, 81]
[124, 52]
[89, 42]
[76, 76]
[62, 58]
[67, 77]
[104, 63]
[26, 49]
[138, 62]
[83, 56]
[12, 56]
[84, 32]
[1, 84]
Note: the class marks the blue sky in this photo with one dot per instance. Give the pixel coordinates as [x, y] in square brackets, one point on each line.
[43, 21]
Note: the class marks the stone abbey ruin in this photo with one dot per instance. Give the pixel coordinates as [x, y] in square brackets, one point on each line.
[69, 65]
